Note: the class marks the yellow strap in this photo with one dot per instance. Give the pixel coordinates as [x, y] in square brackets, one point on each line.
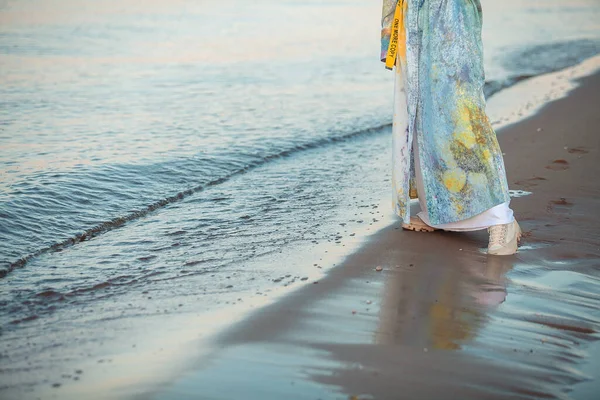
[395, 40]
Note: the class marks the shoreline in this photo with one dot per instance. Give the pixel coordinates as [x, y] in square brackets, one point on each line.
[297, 297]
[455, 319]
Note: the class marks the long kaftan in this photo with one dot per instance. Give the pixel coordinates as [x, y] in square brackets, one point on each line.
[439, 99]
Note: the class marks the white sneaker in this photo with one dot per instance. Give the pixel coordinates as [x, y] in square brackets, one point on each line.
[504, 239]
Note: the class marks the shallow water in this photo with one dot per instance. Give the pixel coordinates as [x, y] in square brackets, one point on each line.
[210, 135]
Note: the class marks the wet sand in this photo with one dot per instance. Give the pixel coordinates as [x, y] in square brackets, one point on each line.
[442, 319]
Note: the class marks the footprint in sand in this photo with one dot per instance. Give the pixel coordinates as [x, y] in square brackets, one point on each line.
[531, 182]
[558, 165]
[578, 150]
[561, 205]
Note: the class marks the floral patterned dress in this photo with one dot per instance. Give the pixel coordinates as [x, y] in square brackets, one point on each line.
[439, 103]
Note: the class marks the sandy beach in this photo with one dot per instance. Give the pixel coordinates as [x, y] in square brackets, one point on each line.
[195, 206]
[431, 316]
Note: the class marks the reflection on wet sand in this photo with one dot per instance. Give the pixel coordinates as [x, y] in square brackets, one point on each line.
[453, 319]
[441, 303]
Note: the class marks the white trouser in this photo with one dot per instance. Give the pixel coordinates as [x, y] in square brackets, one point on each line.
[498, 215]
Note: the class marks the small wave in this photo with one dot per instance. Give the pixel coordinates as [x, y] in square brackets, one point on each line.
[49, 294]
[26, 319]
[493, 87]
[122, 220]
[536, 60]
[550, 57]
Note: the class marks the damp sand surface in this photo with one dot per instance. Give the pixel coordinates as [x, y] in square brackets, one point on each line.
[415, 315]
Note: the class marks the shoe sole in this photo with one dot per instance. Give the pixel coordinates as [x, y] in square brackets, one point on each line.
[511, 248]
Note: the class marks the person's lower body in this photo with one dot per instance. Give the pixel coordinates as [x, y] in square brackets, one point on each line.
[458, 170]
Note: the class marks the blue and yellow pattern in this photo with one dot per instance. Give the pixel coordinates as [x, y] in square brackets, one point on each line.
[439, 99]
